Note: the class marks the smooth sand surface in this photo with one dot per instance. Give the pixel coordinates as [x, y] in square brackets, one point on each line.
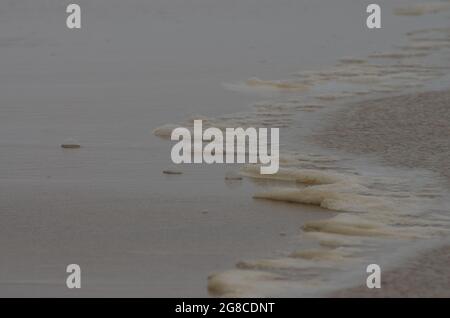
[137, 232]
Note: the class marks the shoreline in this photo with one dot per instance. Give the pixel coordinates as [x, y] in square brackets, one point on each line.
[114, 206]
[407, 131]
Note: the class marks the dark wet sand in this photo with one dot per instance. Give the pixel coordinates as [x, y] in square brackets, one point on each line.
[405, 131]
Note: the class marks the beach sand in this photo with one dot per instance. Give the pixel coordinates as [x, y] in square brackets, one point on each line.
[108, 205]
[404, 131]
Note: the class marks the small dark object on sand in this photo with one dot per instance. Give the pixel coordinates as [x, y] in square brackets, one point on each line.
[174, 172]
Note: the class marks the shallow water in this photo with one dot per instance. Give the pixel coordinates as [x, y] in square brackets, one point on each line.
[136, 66]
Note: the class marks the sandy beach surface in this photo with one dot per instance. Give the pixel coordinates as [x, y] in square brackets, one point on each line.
[137, 66]
[405, 131]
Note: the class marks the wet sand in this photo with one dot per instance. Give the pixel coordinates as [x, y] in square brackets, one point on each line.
[425, 276]
[405, 131]
[108, 206]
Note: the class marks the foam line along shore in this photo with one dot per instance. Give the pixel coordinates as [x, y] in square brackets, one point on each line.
[385, 214]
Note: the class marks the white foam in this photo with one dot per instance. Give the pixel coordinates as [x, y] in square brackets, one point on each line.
[304, 176]
[337, 197]
[371, 215]
[333, 240]
[165, 131]
[351, 225]
[245, 283]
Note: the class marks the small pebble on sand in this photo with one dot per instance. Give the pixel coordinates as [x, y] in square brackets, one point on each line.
[70, 144]
[173, 172]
